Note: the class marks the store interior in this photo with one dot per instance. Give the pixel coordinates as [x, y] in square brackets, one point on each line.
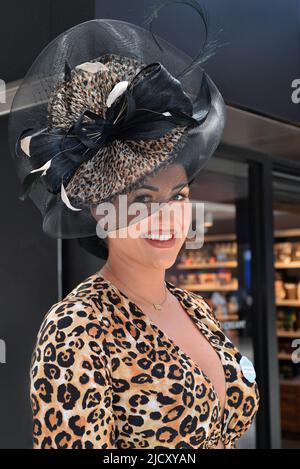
[220, 271]
[287, 295]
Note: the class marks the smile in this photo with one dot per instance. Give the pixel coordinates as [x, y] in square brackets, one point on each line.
[159, 237]
[160, 240]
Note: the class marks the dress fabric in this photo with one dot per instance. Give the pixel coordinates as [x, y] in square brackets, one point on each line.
[104, 376]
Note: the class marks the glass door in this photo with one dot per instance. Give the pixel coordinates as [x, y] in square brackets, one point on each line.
[220, 270]
[286, 190]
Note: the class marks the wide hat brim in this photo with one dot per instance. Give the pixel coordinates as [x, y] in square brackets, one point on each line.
[87, 42]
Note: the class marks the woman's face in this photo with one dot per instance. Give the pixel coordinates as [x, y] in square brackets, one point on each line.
[171, 219]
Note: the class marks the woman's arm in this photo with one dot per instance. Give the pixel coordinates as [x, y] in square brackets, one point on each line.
[71, 382]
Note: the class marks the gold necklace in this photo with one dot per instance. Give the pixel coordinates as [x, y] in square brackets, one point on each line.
[157, 306]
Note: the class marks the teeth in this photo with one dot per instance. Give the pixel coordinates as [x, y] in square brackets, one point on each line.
[158, 237]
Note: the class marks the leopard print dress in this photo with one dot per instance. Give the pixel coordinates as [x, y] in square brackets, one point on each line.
[104, 376]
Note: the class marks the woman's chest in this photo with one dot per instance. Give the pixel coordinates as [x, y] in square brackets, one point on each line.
[194, 341]
[163, 398]
[160, 398]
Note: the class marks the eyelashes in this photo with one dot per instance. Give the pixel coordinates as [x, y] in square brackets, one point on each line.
[184, 196]
[141, 198]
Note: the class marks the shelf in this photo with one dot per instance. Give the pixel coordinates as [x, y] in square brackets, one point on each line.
[287, 265]
[206, 265]
[233, 317]
[211, 287]
[284, 356]
[291, 381]
[295, 303]
[220, 238]
[287, 233]
[288, 334]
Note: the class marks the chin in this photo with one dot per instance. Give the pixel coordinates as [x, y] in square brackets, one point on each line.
[163, 257]
[164, 260]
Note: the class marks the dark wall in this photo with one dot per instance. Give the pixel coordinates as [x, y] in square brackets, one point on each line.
[27, 27]
[28, 279]
[28, 267]
[263, 58]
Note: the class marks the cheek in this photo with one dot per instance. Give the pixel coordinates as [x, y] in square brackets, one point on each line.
[125, 246]
[182, 218]
[187, 217]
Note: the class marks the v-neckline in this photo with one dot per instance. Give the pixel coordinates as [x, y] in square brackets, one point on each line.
[200, 325]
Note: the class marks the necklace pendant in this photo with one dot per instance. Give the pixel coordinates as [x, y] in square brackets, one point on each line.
[157, 306]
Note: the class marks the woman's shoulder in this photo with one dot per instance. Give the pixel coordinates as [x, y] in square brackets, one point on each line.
[73, 325]
[91, 287]
[84, 307]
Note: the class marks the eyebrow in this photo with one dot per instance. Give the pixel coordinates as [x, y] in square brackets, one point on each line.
[153, 188]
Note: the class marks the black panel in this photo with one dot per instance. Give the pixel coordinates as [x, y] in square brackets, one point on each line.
[259, 58]
[28, 268]
[28, 279]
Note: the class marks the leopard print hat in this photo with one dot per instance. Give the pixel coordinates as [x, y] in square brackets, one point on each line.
[101, 109]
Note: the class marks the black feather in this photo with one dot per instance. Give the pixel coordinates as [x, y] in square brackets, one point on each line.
[67, 72]
[209, 46]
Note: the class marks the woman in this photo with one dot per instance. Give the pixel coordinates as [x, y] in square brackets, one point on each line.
[126, 359]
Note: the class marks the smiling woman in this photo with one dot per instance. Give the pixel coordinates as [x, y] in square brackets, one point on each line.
[126, 359]
[150, 197]
[163, 196]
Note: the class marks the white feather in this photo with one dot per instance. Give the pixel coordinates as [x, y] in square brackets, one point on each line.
[117, 90]
[25, 144]
[43, 168]
[91, 67]
[65, 199]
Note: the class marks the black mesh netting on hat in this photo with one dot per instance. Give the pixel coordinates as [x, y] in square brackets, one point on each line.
[96, 173]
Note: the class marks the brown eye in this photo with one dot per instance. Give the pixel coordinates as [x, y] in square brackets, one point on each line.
[143, 198]
[181, 196]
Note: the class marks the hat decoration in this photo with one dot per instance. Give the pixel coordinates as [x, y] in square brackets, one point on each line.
[147, 107]
[103, 107]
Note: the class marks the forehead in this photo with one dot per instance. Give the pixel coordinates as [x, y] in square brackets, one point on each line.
[166, 179]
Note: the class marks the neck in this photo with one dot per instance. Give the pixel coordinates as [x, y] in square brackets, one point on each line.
[137, 277]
